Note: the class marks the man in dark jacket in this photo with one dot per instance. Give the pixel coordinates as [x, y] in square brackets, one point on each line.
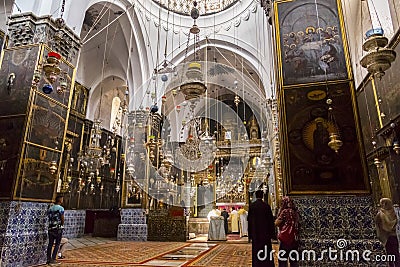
[261, 230]
[225, 214]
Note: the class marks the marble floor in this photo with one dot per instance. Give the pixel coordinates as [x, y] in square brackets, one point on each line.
[196, 252]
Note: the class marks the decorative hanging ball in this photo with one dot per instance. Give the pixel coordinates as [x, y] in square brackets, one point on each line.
[153, 95]
[174, 92]
[178, 108]
[164, 78]
[329, 101]
[47, 89]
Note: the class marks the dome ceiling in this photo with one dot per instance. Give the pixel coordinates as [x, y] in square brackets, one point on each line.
[205, 7]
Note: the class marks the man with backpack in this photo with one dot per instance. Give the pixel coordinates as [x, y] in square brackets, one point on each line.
[56, 226]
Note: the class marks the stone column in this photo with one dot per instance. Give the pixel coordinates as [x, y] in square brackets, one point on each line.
[36, 76]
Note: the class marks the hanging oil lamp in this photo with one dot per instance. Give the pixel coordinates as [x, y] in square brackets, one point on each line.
[237, 100]
[379, 57]
[53, 167]
[396, 147]
[335, 143]
[377, 162]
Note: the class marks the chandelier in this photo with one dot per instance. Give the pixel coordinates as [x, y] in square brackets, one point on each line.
[94, 157]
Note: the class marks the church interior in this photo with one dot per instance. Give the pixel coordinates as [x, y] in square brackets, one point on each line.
[150, 116]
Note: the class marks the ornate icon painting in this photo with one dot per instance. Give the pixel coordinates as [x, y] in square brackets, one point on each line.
[313, 164]
[311, 42]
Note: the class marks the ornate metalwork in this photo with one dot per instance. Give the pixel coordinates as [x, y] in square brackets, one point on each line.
[205, 7]
[379, 57]
[194, 88]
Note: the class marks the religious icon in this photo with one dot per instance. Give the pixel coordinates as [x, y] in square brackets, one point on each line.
[316, 138]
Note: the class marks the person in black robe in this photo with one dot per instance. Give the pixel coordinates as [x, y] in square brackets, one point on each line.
[261, 230]
[225, 214]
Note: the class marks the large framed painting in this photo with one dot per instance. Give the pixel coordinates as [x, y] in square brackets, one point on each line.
[313, 166]
[310, 41]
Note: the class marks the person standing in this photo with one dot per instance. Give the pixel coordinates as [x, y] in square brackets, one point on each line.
[225, 214]
[261, 229]
[56, 226]
[234, 220]
[386, 222]
[287, 221]
[243, 222]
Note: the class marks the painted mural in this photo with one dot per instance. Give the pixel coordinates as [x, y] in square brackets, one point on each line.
[311, 42]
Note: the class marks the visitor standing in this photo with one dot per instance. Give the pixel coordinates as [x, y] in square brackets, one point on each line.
[225, 214]
[261, 229]
[287, 221]
[386, 222]
[55, 230]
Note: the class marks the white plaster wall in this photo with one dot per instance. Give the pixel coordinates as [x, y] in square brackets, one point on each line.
[358, 20]
[241, 29]
[5, 11]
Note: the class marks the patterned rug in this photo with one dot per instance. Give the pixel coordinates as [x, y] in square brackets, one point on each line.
[119, 253]
[233, 237]
[235, 255]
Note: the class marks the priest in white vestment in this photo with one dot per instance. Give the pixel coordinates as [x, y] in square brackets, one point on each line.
[234, 220]
[216, 230]
[243, 222]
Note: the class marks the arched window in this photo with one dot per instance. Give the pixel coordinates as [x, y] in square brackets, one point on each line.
[115, 114]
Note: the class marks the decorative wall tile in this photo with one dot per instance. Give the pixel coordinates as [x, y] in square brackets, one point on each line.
[74, 223]
[326, 219]
[25, 233]
[132, 232]
[336, 217]
[133, 225]
[133, 216]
